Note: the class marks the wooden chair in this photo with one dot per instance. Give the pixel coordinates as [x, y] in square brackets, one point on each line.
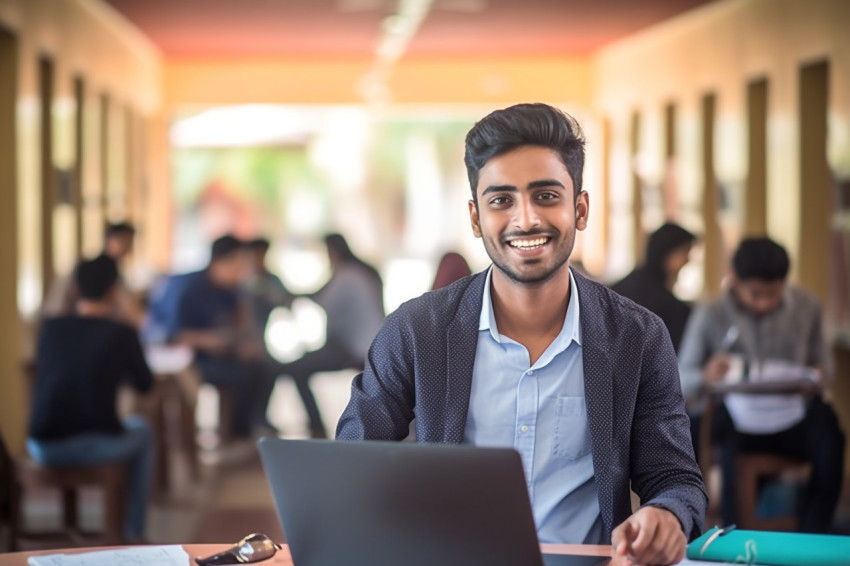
[23, 474]
[750, 469]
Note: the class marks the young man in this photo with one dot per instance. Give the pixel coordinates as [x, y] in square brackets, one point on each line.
[771, 326]
[263, 287]
[353, 299]
[82, 359]
[213, 317]
[530, 355]
[117, 244]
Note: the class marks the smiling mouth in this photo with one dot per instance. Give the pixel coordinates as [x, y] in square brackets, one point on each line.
[529, 244]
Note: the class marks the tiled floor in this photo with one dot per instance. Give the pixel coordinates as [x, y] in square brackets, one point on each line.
[231, 498]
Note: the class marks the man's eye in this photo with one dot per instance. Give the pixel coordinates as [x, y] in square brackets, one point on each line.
[547, 196]
[498, 201]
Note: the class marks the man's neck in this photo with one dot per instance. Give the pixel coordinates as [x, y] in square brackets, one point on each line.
[94, 309]
[533, 315]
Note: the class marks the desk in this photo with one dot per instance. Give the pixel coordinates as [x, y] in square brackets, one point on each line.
[716, 391]
[282, 557]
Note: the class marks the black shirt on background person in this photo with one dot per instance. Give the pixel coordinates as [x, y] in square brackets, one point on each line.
[651, 285]
[81, 363]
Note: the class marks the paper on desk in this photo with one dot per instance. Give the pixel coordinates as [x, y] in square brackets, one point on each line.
[173, 555]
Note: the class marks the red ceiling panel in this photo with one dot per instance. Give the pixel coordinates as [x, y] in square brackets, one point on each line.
[351, 28]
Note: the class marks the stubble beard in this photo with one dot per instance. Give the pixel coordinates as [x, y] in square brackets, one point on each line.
[530, 280]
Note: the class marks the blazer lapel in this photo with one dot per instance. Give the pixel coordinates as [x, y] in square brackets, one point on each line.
[599, 396]
[461, 344]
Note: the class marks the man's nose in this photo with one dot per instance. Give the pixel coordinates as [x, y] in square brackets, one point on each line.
[526, 216]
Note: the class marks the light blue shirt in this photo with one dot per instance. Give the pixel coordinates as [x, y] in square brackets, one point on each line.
[540, 411]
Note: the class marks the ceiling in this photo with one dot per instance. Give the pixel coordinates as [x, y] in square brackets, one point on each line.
[354, 28]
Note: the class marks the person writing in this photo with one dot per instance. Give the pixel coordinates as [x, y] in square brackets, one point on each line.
[774, 330]
[531, 355]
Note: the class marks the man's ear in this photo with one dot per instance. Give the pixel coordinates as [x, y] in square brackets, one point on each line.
[473, 219]
[582, 210]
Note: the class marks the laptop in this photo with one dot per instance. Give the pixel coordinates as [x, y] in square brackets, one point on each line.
[404, 504]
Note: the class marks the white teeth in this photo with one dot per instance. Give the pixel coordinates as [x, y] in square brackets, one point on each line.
[528, 244]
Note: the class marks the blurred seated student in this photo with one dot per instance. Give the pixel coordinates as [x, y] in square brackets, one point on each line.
[117, 245]
[81, 360]
[452, 267]
[651, 285]
[213, 317]
[353, 301]
[265, 289]
[768, 329]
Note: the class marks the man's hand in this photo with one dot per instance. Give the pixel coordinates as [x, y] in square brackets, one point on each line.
[650, 536]
[716, 368]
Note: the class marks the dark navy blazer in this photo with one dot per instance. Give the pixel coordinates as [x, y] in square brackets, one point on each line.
[420, 365]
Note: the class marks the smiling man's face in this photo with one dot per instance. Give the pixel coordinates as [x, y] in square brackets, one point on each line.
[527, 215]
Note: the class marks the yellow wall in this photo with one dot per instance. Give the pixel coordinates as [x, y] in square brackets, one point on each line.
[287, 81]
[82, 37]
[719, 48]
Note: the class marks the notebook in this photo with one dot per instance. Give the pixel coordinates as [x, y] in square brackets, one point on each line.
[391, 504]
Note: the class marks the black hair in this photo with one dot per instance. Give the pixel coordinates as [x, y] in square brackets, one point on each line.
[258, 244]
[760, 258]
[119, 229]
[664, 240]
[337, 244]
[225, 246]
[94, 278]
[525, 124]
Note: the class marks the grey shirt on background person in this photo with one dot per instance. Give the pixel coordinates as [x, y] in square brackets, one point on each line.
[791, 333]
[354, 313]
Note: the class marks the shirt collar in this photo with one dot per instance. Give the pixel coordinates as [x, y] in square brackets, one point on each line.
[571, 330]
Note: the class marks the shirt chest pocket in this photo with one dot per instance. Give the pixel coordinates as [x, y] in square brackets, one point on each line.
[572, 435]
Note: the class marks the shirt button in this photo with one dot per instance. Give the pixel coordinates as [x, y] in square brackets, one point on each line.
[524, 428]
[530, 372]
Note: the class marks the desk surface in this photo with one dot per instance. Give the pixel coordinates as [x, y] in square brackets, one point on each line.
[282, 557]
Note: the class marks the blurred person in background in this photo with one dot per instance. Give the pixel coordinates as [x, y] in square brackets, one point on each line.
[651, 285]
[82, 358]
[353, 299]
[265, 289]
[452, 267]
[213, 317]
[774, 331]
[117, 245]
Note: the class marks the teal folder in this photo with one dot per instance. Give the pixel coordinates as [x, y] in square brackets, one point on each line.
[771, 548]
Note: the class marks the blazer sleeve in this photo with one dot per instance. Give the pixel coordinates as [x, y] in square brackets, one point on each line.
[664, 472]
[382, 396]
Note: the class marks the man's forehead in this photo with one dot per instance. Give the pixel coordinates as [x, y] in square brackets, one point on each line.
[525, 166]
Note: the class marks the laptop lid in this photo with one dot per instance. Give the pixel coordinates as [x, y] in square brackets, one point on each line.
[392, 504]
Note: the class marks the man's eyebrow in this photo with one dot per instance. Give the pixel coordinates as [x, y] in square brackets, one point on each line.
[532, 185]
[546, 183]
[499, 189]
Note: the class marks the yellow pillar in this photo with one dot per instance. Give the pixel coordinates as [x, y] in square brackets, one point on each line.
[12, 394]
